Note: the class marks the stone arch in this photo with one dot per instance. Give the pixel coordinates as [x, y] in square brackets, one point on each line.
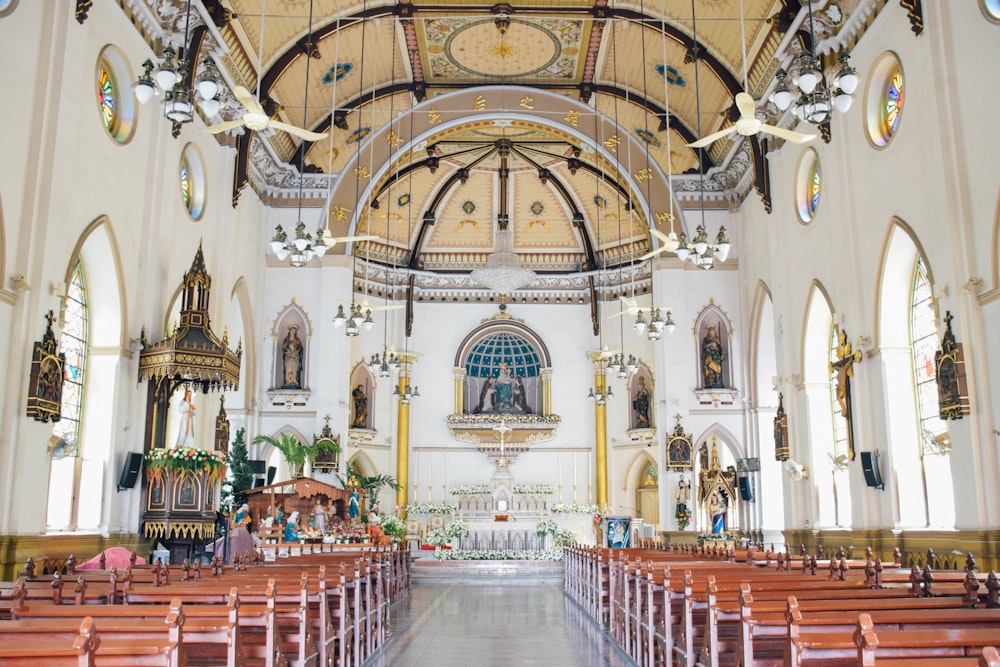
[98, 247]
[900, 249]
[641, 381]
[644, 497]
[274, 457]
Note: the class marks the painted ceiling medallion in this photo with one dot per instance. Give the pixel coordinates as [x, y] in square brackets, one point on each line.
[460, 48]
[671, 74]
[337, 72]
[647, 137]
[537, 207]
[358, 135]
[404, 199]
[468, 207]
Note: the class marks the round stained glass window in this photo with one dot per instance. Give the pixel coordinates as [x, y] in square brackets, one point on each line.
[7, 6]
[114, 99]
[191, 179]
[808, 186]
[992, 9]
[884, 100]
[503, 349]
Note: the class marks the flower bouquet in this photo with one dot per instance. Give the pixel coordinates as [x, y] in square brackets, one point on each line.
[162, 460]
[683, 517]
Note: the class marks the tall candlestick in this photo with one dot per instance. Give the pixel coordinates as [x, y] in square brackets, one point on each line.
[560, 494]
[559, 467]
[574, 494]
[443, 502]
[430, 493]
[414, 494]
[574, 469]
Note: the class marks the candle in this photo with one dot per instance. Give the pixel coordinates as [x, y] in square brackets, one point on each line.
[414, 494]
[574, 469]
[559, 467]
[574, 494]
[442, 494]
[430, 493]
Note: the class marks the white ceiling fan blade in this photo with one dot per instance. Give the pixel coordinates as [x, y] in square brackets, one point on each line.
[653, 253]
[705, 141]
[222, 127]
[624, 312]
[244, 97]
[787, 135]
[660, 235]
[629, 303]
[344, 239]
[297, 131]
[377, 308]
[746, 105]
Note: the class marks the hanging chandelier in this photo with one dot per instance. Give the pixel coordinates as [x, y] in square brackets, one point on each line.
[656, 325]
[504, 273]
[702, 253]
[385, 363]
[358, 318]
[806, 85]
[300, 249]
[405, 393]
[173, 78]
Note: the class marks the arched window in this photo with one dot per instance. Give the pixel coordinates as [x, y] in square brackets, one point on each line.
[838, 458]
[935, 444]
[73, 343]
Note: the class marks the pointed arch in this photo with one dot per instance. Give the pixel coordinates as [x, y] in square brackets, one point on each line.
[78, 496]
[362, 388]
[642, 484]
[248, 368]
[292, 321]
[912, 441]
[723, 435]
[274, 457]
[763, 395]
[713, 332]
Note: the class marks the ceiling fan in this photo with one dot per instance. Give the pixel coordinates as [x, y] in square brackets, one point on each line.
[669, 244]
[364, 306]
[255, 119]
[748, 124]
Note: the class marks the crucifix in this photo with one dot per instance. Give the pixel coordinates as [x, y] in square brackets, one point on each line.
[844, 367]
[503, 430]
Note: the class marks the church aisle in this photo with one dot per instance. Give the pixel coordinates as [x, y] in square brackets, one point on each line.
[486, 624]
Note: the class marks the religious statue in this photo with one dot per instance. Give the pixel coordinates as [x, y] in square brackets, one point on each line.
[844, 369]
[360, 407]
[242, 519]
[47, 363]
[485, 397]
[717, 510]
[291, 531]
[291, 350]
[503, 390]
[520, 401]
[712, 356]
[354, 503]
[374, 524]
[683, 493]
[319, 517]
[640, 405]
[185, 432]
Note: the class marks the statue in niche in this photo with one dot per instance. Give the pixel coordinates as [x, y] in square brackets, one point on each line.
[185, 432]
[712, 358]
[485, 397]
[291, 351]
[360, 407]
[503, 390]
[640, 404]
[781, 432]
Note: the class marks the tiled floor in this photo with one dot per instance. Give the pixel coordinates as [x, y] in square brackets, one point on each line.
[482, 624]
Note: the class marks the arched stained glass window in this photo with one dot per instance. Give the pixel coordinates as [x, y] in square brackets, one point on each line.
[7, 6]
[185, 178]
[73, 343]
[503, 349]
[992, 9]
[924, 342]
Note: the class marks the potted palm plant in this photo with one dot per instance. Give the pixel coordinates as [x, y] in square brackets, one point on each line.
[296, 452]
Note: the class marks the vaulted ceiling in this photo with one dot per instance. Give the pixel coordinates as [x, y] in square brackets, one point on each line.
[369, 73]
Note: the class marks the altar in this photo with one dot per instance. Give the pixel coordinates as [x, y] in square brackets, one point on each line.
[502, 535]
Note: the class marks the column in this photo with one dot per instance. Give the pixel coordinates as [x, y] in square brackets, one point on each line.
[600, 431]
[402, 392]
[546, 391]
[459, 391]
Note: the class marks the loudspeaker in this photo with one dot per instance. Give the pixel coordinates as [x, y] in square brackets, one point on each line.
[869, 464]
[746, 493]
[257, 467]
[258, 482]
[271, 472]
[130, 471]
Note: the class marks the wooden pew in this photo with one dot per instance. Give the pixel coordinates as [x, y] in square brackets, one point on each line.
[947, 647]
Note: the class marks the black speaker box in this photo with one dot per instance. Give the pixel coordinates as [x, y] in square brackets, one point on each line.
[257, 467]
[130, 471]
[271, 472]
[869, 464]
[259, 482]
[746, 493]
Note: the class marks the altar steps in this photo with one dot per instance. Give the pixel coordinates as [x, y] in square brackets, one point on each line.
[483, 571]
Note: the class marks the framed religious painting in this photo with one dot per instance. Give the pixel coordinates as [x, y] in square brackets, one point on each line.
[678, 450]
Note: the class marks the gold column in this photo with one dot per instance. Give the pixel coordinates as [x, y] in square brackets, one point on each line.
[547, 392]
[600, 432]
[403, 429]
[459, 391]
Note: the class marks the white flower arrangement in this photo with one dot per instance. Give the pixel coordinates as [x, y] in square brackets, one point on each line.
[560, 536]
[576, 508]
[429, 508]
[456, 529]
[553, 555]
[546, 527]
[442, 536]
[471, 490]
[532, 489]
